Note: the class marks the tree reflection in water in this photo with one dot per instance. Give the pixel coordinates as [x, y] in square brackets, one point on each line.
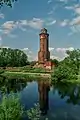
[71, 90]
[12, 85]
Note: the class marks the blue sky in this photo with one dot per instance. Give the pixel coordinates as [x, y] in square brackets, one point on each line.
[20, 26]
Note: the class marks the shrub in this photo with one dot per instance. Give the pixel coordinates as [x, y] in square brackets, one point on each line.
[10, 108]
[63, 72]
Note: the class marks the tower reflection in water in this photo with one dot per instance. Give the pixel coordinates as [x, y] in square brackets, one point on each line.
[43, 88]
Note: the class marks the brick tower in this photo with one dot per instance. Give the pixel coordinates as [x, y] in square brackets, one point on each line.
[44, 54]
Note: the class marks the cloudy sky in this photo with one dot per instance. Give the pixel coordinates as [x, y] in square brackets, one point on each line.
[20, 26]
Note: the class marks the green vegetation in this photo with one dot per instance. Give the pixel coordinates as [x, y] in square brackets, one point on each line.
[10, 108]
[26, 69]
[35, 113]
[68, 89]
[14, 68]
[7, 2]
[55, 62]
[69, 68]
[12, 58]
[20, 75]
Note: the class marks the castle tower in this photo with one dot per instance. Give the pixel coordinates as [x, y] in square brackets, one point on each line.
[44, 54]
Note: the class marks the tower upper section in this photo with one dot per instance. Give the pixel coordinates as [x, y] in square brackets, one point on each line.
[44, 54]
[44, 30]
[43, 33]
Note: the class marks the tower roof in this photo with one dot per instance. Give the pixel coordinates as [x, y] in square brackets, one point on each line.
[43, 30]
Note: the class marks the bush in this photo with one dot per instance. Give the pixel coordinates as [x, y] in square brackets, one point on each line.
[35, 113]
[63, 72]
[10, 108]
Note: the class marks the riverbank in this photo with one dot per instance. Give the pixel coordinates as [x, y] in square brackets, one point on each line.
[25, 75]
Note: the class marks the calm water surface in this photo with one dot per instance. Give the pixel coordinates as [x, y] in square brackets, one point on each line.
[57, 102]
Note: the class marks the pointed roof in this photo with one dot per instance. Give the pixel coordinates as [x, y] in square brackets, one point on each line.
[43, 30]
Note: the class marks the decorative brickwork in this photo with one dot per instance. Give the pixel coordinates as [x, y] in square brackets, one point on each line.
[44, 54]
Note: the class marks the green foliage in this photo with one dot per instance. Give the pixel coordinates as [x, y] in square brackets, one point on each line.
[12, 57]
[54, 61]
[1, 71]
[63, 72]
[32, 63]
[68, 69]
[35, 113]
[10, 108]
[68, 89]
[27, 69]
[7, 2]
[18, 75]
[74, 58]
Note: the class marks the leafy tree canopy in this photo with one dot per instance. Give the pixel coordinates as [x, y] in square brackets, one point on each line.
[69, 68]
[7, 2]
[12, 57]
[54, 61]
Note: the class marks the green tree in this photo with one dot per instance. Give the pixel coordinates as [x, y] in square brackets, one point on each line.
[74, 58]
[12, 57]
[68, 69]
[7, 2]
[54, 61]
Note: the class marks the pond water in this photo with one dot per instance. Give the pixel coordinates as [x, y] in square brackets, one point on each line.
[59, 101]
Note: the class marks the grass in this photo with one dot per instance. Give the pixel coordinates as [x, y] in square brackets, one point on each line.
[26, 69]
[22, 75]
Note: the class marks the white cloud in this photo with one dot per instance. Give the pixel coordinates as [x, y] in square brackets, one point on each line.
[51, 12]
[75, 21]
[30, 54]
[74, 29]
[9, 26]
[77, 10]
[12, 35]
[71, 49]
[51, 23]
[5, 47]
[22, 22]
[25, 49]
[65, 1]
[70, 33]
[49, 1]
[1, 15]
[64, 23]
[36, 23]
[54, 57]
[51, 48]
[69, 7]
[63, 50]
[0, 38]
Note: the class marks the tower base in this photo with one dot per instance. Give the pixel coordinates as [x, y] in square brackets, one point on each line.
[46, 65]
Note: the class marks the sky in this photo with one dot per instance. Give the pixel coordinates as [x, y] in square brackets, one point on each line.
[20, 26]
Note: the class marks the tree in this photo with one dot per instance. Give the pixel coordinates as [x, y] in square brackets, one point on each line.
[54, 61]
[12, 57]
[68, 69]
[74, 58]
[7, 2]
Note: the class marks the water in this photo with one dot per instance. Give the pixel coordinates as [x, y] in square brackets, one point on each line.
[60, 101]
